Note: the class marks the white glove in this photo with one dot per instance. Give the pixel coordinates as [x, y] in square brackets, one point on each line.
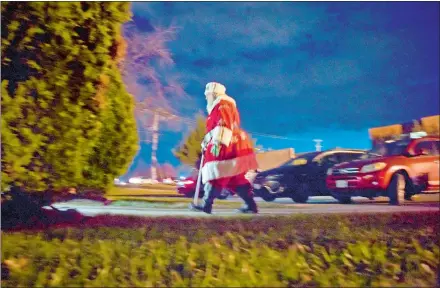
[215, 149]
[204, 144]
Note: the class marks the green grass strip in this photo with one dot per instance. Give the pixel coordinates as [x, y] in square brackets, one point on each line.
[363, 250]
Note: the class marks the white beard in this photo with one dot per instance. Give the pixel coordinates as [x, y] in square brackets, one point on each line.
[209, 106]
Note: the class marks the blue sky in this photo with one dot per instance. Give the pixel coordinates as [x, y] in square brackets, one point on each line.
[304, 70]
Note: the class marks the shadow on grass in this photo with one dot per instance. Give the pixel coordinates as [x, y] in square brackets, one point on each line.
[41, 219]
[52, 219]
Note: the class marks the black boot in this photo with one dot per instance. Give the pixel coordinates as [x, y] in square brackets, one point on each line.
[201, 208]
[208, 199]
[247, 210]
[245, 193]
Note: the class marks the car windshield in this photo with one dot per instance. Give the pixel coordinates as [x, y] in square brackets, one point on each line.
[388, 148]
[301, 159]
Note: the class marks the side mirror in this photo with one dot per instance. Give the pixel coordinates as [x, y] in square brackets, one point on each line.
[407, 154]
[422, 152]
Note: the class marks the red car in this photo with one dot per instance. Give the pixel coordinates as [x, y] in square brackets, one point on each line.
[187, 188]
[398, 170]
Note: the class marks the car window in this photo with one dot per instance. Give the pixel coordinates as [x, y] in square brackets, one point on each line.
[330, 160]
[349, 156]
[437, 147]
[429, 147]
[301, 159]
[389, 148]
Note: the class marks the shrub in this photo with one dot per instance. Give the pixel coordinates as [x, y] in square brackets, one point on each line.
[350, 250]
[64, 104]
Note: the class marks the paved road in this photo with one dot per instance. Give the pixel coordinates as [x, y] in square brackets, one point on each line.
[286, 206]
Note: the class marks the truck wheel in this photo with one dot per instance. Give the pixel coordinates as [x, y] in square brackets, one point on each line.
[343, 199]
[300, 195]
[266, 195]
[396, 189]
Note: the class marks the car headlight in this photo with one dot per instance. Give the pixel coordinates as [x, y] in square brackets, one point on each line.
[299, 161]
[273, 177]
[330, 171]
[373, 167]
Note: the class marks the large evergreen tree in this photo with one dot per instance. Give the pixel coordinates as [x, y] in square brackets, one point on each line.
[66, 117]
[118, 139]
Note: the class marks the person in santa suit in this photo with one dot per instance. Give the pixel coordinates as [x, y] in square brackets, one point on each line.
[228, 152]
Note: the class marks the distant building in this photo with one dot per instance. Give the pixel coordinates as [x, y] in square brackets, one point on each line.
[429, 124]
[274, 158]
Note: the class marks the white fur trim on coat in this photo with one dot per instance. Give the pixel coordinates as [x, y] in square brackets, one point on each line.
[228, 168]
[218, 99]
[219, 134]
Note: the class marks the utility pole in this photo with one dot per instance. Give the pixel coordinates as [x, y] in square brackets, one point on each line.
[155, 142]
[318, 144]
[159, 114]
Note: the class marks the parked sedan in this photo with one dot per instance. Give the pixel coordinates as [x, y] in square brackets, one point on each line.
[187, 188]
[302, 176]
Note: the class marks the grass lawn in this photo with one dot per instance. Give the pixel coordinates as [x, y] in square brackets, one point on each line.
[362, 250]
[148, 190]
[158, 186]
[183, 203]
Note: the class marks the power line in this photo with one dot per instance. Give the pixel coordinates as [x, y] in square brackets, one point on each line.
[183, 119]
[277, 136]
[162, 114]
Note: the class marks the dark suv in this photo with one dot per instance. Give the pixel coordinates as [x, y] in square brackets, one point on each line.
[302, 176]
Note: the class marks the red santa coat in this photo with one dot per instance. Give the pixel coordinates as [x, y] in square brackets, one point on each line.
[236, 155]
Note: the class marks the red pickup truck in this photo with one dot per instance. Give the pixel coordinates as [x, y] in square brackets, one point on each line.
[397, 169]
